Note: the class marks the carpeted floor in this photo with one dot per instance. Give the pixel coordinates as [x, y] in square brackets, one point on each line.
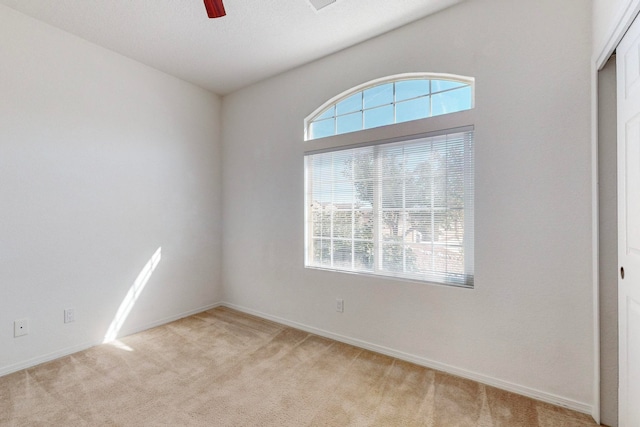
[224, 368]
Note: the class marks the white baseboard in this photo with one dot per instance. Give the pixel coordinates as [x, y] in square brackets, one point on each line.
[29, 363]
[164, 321]
[6, 370]
[418, 360]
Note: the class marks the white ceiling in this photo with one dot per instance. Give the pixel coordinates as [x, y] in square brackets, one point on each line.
[257, 39]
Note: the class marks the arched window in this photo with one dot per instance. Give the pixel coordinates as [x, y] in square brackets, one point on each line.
[395, 99]
[400, 206]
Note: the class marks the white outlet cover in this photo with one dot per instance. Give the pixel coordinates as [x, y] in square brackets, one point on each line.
[20, 327]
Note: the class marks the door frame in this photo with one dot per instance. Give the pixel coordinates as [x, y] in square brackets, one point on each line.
[623, 20]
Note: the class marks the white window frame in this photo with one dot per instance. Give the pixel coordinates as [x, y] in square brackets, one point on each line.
[431, 126]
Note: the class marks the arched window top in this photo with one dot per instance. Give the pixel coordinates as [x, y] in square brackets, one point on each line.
[394, 99]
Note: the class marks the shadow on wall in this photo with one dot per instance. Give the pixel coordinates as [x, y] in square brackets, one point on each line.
[132, 296]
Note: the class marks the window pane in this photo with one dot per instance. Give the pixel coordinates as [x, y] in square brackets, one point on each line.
[378, 95]
[392, 193]
[360, 171]
[316, 219]
[411, 89]
[392, 161]
[455, 260]
[391, 224]
[342, 224]
[330, 112]
[349, 123]
[349, 105]
[363, 225]
[363, 194]
[440, 225]
[342, 253]
[415, 157]
[421, 226]
[440, 259]
[321, 252]
[325, 220]
[363, 165]
[320, 180]
[341, 167]
[380, 116]
[439, 85]
[412, 110]
[322, 128]
[393, 257]
[343, 195]
[452, 101]
[439, 190]
[455, 222]
[363, 256]
[416, 194]
[455, 191]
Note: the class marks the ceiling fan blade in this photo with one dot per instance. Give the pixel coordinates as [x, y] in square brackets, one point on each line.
[215, 8]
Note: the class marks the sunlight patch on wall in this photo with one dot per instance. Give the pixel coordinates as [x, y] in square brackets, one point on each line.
[132, 296]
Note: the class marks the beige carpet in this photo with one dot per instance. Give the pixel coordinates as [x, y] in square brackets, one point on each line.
[224, 368]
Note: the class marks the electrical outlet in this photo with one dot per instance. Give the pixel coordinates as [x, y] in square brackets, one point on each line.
[339, 305]
[20, 327]
[69, 315]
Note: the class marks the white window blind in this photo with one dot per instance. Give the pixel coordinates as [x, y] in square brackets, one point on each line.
[401, 209]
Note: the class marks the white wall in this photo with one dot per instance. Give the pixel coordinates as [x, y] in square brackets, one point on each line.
[605, 14]
[102, 161]
[528, 324]
[610, 21]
